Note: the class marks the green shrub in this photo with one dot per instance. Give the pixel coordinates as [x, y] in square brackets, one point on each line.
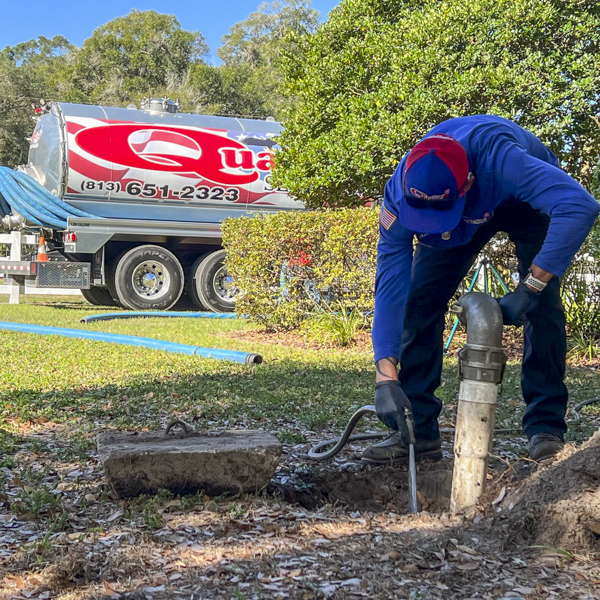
[319, 267]
[335, 324]
[581, 298]
[580, 292]
[289, 263]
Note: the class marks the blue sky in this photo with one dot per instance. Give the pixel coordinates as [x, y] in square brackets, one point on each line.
[76, 20]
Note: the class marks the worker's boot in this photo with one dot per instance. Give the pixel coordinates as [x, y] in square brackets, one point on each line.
[544, 445]
[392, 449]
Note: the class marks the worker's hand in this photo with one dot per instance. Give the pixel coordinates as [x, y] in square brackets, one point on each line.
[390, 402]
[515, 305]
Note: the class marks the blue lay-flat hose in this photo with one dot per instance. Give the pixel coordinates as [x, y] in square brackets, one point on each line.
[154, 314]
[14, 200]
[31, 191]
[24, 202]
[23, 194]
[32, 185]
[4, 207]
[132, 340]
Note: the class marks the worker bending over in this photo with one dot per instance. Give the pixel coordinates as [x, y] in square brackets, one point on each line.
[465, 181]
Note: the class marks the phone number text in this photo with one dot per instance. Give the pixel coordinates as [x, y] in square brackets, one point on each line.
[151, 190]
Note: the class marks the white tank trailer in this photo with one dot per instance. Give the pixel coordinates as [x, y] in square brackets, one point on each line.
[161, 182]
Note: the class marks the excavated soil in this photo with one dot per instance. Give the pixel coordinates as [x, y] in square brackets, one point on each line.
[559, 504]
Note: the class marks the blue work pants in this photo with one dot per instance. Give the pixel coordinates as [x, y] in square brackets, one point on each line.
[436, 274]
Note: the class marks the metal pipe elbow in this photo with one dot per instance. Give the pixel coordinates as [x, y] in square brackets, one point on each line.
[483, 318]
[482, 358]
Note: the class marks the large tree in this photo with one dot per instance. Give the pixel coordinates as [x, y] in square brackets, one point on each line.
[28, 72]
[131, 57]
[251, 52]
[380, 73]
[259, 39]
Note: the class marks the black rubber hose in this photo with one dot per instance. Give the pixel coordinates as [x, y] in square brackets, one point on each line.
[579, 406]
[315, 454]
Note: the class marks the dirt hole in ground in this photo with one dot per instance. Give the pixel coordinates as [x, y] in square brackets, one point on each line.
[368, 487]
[554, 504]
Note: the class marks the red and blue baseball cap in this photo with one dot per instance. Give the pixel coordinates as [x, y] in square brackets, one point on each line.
[435, 174]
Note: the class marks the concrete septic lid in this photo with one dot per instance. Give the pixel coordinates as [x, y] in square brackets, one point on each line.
[228, 461]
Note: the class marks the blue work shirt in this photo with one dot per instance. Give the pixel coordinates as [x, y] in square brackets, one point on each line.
[510, 165]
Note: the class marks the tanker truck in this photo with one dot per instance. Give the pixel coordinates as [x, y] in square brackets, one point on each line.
[133, 201]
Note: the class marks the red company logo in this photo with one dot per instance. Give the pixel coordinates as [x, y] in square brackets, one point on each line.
[175, 150]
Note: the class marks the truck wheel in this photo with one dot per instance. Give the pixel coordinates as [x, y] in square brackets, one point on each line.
[147, 277]
[210, 287]
[98, 296]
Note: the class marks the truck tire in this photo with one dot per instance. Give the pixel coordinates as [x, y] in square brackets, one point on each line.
[147, 277]
[209, 286]
[98, 296]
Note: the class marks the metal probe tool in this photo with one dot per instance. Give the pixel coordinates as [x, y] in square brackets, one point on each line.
[413, 503]
[319, 451]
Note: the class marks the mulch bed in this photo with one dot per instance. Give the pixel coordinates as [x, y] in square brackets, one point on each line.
[512, 343]
[257, 547]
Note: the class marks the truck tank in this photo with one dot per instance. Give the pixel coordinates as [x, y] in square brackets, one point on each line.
[155, 163]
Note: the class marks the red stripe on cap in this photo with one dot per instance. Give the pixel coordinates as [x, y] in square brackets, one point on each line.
[446, 148]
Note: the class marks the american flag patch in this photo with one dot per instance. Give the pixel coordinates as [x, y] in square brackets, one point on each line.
[386, 218]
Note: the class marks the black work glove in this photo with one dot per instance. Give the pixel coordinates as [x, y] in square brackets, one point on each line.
[390, 402]
[515, 305]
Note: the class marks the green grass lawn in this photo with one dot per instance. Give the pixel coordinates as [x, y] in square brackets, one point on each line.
[90, 385]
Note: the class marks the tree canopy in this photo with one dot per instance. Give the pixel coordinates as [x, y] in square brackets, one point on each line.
[130, 56]
[146, 53]
[251, 53]
[380, 73]
[28, 72]
[259, 39]
[248, 82]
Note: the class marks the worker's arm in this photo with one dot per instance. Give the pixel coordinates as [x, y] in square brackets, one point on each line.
[572, 210]
[394, 261]
[387, 369]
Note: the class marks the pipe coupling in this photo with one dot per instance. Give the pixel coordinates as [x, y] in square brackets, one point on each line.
[481, 363]
[13, 221]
